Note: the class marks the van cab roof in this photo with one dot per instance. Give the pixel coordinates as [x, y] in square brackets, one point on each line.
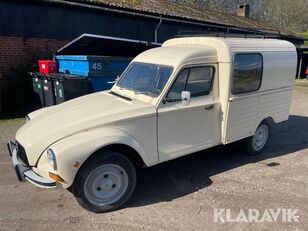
[179, 51]
[178, 55]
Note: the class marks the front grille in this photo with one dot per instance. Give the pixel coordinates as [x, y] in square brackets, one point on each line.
[21, 154]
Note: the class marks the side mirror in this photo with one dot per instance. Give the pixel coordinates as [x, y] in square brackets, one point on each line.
[185, 95]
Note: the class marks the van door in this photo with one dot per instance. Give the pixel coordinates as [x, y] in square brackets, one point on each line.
[183, 129]
[244, 101]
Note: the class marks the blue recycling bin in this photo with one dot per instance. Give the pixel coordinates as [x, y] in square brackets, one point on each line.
[101, 83]
[101, 70]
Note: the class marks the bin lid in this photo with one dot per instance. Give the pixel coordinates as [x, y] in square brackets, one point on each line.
[62, 77]
[92, 58]
[57, 76]
[91, 44]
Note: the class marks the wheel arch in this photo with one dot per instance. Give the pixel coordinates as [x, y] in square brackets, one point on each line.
[123, 149]
[269, 120]
[84, 146]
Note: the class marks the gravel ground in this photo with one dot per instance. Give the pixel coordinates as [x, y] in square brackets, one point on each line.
[180, 194]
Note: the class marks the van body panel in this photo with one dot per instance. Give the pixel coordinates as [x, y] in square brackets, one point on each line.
[241, 114]
[159, 130]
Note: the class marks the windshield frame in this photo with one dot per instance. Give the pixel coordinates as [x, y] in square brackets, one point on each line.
[137, 92]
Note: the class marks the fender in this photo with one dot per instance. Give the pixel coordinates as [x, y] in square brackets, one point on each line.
[79, 147]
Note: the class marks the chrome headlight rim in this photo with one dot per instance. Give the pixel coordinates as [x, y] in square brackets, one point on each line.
[51, 155]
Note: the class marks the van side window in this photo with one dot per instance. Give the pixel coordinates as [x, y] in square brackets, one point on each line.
[196, 80]
[247, 73]
[178, 86]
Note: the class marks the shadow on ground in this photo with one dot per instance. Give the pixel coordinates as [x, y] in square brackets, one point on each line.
[186, 175]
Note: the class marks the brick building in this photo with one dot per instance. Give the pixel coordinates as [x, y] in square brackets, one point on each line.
[36, 29]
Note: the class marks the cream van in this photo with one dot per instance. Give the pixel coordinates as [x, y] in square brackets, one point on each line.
[188, 95]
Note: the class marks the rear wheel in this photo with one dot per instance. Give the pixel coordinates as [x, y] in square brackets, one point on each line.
[105, 183]
[257, 143]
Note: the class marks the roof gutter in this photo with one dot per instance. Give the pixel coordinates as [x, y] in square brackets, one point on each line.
[225, 27]
[83, 5]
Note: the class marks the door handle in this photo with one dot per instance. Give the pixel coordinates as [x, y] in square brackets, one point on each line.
[209, 107]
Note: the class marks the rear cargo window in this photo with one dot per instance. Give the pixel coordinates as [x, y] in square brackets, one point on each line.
[247, 73]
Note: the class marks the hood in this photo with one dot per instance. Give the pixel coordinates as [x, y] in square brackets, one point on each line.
[52, 124]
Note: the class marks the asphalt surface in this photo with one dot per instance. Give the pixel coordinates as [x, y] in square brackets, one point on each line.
[180, 194]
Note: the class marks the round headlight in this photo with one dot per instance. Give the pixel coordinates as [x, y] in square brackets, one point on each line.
[52, 158]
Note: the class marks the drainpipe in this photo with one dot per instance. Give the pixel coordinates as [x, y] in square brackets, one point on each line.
[300, 65]
[156, 29]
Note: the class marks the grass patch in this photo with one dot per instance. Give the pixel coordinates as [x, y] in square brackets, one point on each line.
[301, 82]
[9, 122]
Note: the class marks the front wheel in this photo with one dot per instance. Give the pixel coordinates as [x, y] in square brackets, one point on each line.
[257, 143]
[105, 183]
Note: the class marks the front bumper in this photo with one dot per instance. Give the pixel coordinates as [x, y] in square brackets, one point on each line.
[24, 173]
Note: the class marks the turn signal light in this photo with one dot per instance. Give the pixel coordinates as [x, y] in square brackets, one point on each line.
[55, 177]
[76, 164]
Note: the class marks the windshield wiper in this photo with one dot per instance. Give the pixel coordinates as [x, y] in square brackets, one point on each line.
[127, 88]
[136, 92]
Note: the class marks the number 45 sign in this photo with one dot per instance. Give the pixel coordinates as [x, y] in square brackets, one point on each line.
[97, 66]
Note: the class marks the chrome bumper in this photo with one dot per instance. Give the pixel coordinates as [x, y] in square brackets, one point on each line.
[24, 173]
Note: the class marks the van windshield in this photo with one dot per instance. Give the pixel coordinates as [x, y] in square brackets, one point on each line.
[145, 78]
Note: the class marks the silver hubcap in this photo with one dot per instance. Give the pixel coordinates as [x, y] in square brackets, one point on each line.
[260, 137]
[106, 184]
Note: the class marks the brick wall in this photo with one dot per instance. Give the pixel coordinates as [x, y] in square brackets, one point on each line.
[15, 51]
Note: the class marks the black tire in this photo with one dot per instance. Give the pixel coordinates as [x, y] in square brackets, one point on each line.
[102, 160]
[249, 142]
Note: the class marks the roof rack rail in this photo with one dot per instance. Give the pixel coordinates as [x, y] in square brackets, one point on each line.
[265, 35]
